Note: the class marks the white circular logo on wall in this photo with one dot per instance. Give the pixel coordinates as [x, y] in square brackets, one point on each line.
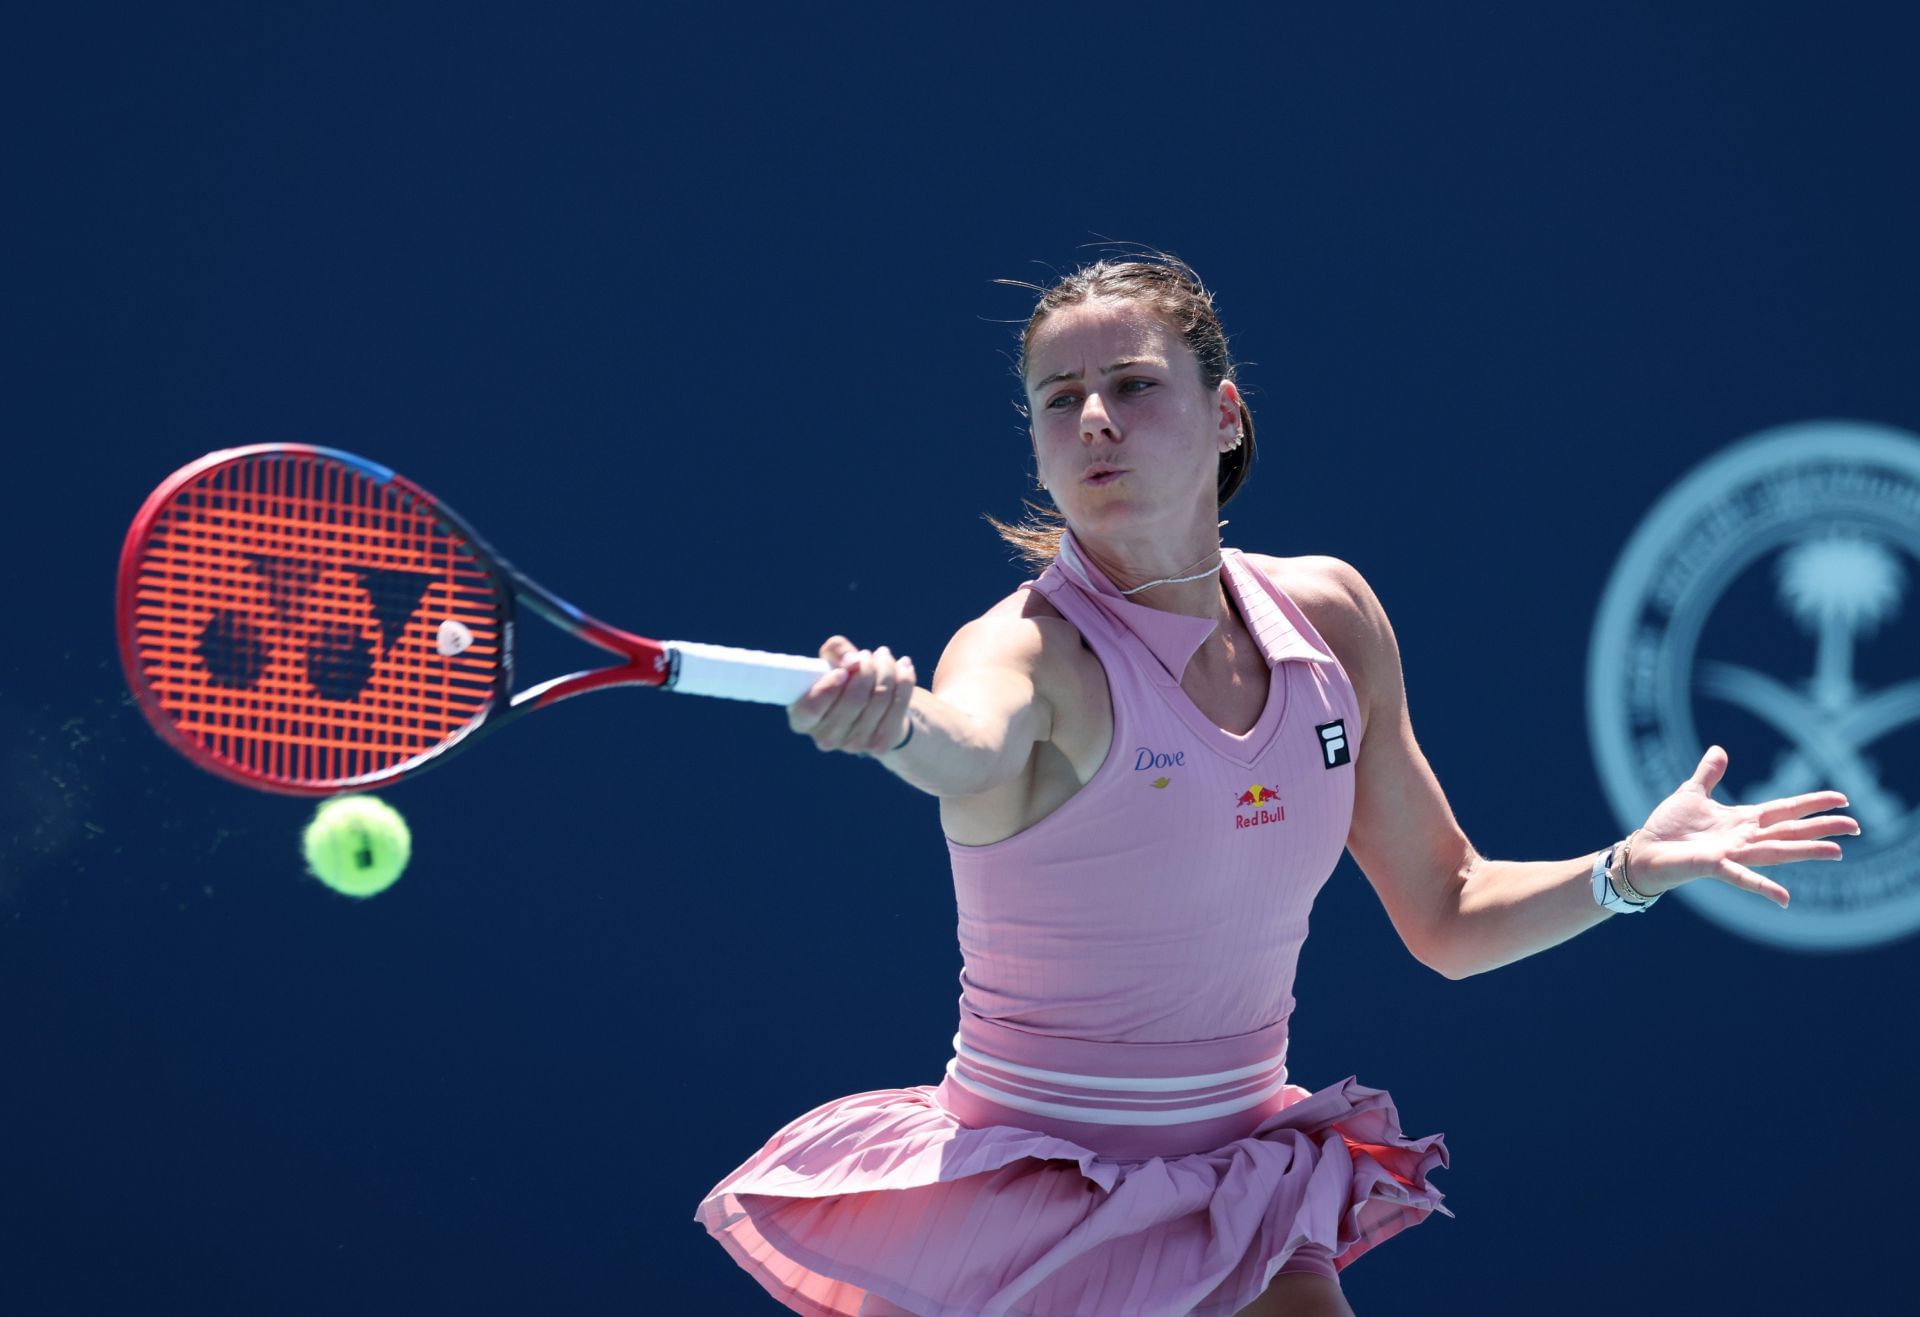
[1759, 606]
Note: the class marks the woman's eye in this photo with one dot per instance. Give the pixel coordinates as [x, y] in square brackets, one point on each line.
[1058, 401]
[1128, 385]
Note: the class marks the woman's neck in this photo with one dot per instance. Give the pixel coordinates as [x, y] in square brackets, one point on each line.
[1151, 574]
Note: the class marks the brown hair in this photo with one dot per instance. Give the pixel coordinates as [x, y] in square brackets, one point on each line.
[1166, 285]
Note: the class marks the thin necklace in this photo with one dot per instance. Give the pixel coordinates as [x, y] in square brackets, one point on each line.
[1178, 580]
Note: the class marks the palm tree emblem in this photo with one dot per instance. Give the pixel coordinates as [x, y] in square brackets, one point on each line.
[1839, 588]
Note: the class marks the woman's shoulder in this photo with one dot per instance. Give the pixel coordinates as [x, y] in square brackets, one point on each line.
[1021, 629]
[1335, 598]
[1022, 605]
[1314, 580]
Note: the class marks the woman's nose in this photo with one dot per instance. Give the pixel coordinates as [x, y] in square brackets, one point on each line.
[1094, 421]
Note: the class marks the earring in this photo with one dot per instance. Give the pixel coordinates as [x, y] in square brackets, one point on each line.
[1238, 435]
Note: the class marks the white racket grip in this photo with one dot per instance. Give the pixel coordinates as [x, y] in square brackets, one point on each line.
[740, 674]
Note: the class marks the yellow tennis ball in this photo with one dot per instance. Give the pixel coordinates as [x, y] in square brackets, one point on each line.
[357, 845]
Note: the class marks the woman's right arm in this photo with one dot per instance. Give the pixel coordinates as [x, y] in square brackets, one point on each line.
[973, 731]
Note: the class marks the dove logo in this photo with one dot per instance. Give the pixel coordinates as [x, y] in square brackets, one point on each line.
[1147, 759]
[1763, 604]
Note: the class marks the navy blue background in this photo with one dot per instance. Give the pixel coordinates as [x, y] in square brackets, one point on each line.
[692, 315]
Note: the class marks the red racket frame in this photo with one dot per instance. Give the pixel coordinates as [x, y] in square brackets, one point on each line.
[646, 662]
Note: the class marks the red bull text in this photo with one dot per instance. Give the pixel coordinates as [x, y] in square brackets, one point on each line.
[1266, 806]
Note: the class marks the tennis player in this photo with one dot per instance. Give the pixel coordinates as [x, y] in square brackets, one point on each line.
[1148, 761]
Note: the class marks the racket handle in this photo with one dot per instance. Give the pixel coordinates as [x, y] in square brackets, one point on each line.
[740, 674]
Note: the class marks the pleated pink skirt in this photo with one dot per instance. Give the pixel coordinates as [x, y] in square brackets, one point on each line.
[1059, 1177]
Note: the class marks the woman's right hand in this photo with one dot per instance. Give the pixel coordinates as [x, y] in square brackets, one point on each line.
[860, 704]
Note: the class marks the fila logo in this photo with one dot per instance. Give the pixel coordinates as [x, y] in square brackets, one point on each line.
[1333, 743]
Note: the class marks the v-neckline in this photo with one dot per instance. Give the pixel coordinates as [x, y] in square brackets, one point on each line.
[1244, 748]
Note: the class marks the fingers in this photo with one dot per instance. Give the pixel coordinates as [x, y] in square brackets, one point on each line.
[881, 673]
[1789, 852]
[1713, 764]
[1739, 875]
[1790, 807]
[893, 727]
[805, 714]
[859, 705]
[1827, 825]
[1796, 839]
[883, 724]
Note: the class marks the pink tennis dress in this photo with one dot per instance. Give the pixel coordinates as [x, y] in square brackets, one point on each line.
[1115, 1135]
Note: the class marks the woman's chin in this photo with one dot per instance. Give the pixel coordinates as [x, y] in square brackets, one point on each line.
[1101, 523]
[1116, 515]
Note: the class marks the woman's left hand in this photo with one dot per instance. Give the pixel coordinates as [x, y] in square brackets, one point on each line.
[1691, 835]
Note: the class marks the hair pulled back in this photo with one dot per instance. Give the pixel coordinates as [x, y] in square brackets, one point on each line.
[1167, 286]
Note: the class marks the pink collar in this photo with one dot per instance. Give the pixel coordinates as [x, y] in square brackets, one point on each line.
[1173, 637]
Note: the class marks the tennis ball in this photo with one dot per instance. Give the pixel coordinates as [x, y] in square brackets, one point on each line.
[357, 845]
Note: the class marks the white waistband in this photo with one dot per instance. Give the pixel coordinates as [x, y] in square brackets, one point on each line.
[969, 1066]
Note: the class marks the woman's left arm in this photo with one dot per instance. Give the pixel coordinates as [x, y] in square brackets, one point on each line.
[1460, 913]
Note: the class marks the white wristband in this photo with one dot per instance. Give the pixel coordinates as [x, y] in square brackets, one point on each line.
[1604, 894]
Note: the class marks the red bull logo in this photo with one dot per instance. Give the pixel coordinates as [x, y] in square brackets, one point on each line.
[1266, 806]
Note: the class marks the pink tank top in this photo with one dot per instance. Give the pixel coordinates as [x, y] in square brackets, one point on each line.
[1167, 900]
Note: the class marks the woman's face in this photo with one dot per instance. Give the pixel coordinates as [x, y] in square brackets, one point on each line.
[1125, 434]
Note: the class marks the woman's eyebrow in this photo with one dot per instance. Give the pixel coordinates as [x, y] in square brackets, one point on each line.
[1058, 376]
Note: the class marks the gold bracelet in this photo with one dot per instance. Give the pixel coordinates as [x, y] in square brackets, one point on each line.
[1626, 850]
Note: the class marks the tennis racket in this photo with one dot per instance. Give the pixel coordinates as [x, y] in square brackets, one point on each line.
[298, 619]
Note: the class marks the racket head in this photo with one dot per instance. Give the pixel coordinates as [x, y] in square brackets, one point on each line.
[302, 620]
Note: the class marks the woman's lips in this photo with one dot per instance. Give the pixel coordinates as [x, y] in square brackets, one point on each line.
[1102, 475]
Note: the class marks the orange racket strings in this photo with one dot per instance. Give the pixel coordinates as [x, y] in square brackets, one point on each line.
[289, 616]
